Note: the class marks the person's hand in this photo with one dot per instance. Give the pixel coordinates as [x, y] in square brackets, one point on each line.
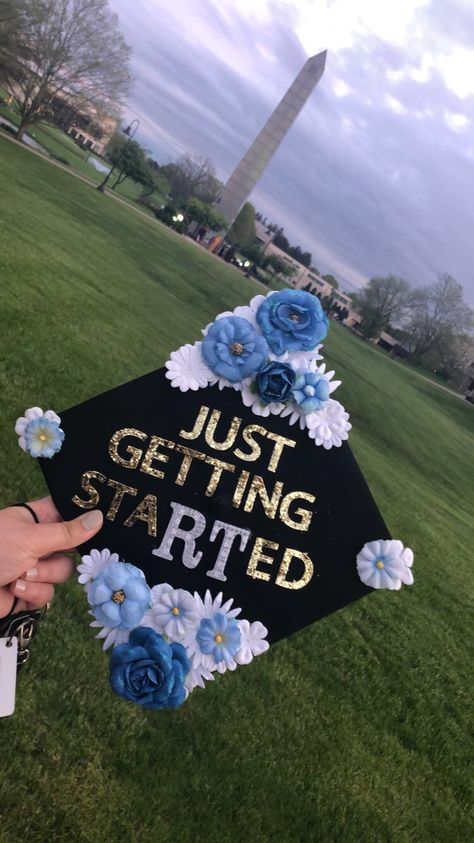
[33, 557]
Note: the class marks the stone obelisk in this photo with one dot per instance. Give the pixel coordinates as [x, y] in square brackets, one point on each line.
[256, 159]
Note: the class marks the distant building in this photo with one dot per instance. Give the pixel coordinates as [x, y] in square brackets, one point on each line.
[92, 129]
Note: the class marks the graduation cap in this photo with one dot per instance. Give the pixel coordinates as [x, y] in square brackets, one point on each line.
[227, 481]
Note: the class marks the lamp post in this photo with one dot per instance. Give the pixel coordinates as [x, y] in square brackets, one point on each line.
[130, 131]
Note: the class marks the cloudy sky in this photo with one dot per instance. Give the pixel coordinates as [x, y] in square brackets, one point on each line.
[376, 174]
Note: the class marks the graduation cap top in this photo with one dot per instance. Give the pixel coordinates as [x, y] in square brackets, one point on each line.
[230, 492]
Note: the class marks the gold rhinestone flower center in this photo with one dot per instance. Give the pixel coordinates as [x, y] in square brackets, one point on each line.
[218, 638]
[295, 317]
[118, 596]
[236, 348]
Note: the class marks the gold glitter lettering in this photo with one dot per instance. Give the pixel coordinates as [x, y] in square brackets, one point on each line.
[153, 454]
[198, 425]
[255, 449]
[257, 487]
[189, 456]
[90, 489]
[120, 491]
[280, 442]
[230, 438]
[288, 556]
[145, 511]
[219, 467]
[135, 453]
[257, 556]
[305, 515]
[240, 488]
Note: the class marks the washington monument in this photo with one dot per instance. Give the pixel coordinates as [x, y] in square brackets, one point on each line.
[259, 154]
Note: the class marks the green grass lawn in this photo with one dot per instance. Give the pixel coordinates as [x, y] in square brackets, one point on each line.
[61, 147]
[356, 729]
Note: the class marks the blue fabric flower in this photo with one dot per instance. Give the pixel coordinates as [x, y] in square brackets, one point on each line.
[233, 349]
[219, 636]
[149, 671]
[275, 382]
[292, 320]
[119, 596]
[311, 391]
[43, 437]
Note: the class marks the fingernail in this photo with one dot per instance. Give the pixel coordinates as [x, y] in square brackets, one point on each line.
[20, 586]
[92, 519]
[31, 574]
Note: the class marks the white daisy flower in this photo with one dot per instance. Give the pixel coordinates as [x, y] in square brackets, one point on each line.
[188, 370]
[329, 376]
[198, 676]
[253, 641]
[93, 563]
[173, 612]
[112, 636]
[385, 563]
[301, 357]
[330, 426]
[201, 663]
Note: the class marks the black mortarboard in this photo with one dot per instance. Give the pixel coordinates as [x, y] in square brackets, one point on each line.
[267, 518]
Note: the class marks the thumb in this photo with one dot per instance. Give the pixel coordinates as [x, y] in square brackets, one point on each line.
[66, 535]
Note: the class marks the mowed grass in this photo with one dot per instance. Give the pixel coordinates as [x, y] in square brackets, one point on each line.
[357, 729]
[61, 147]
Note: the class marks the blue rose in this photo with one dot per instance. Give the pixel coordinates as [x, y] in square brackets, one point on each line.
[275, 382]
[311, 391]
[148, 671]
[233, 349]
[292, 320]
[119, 596]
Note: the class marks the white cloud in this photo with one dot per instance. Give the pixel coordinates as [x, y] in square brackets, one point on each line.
[340, 88]
[456, 122]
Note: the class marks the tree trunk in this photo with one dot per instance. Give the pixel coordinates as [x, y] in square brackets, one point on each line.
[120, 180]
[102, 185]
[22, 128]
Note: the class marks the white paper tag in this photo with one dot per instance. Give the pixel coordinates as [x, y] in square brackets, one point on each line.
[8, 654]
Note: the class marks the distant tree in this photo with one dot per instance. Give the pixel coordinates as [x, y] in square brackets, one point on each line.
[439, 316]
[242, 230]
[152, 181]
[331, 280]
[204, 214]
[382, 300]
[68, 48]
[128, 160]
[16, 17]
[280, 240]
[277, 266]
[253, 253]
[190, 177]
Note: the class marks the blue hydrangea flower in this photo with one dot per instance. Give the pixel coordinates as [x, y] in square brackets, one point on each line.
[275, 382]
[233, 349]
[219, 636]
[119, 596]
[39, 433]
[311, 391]
[149, 671]
[292, 320]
